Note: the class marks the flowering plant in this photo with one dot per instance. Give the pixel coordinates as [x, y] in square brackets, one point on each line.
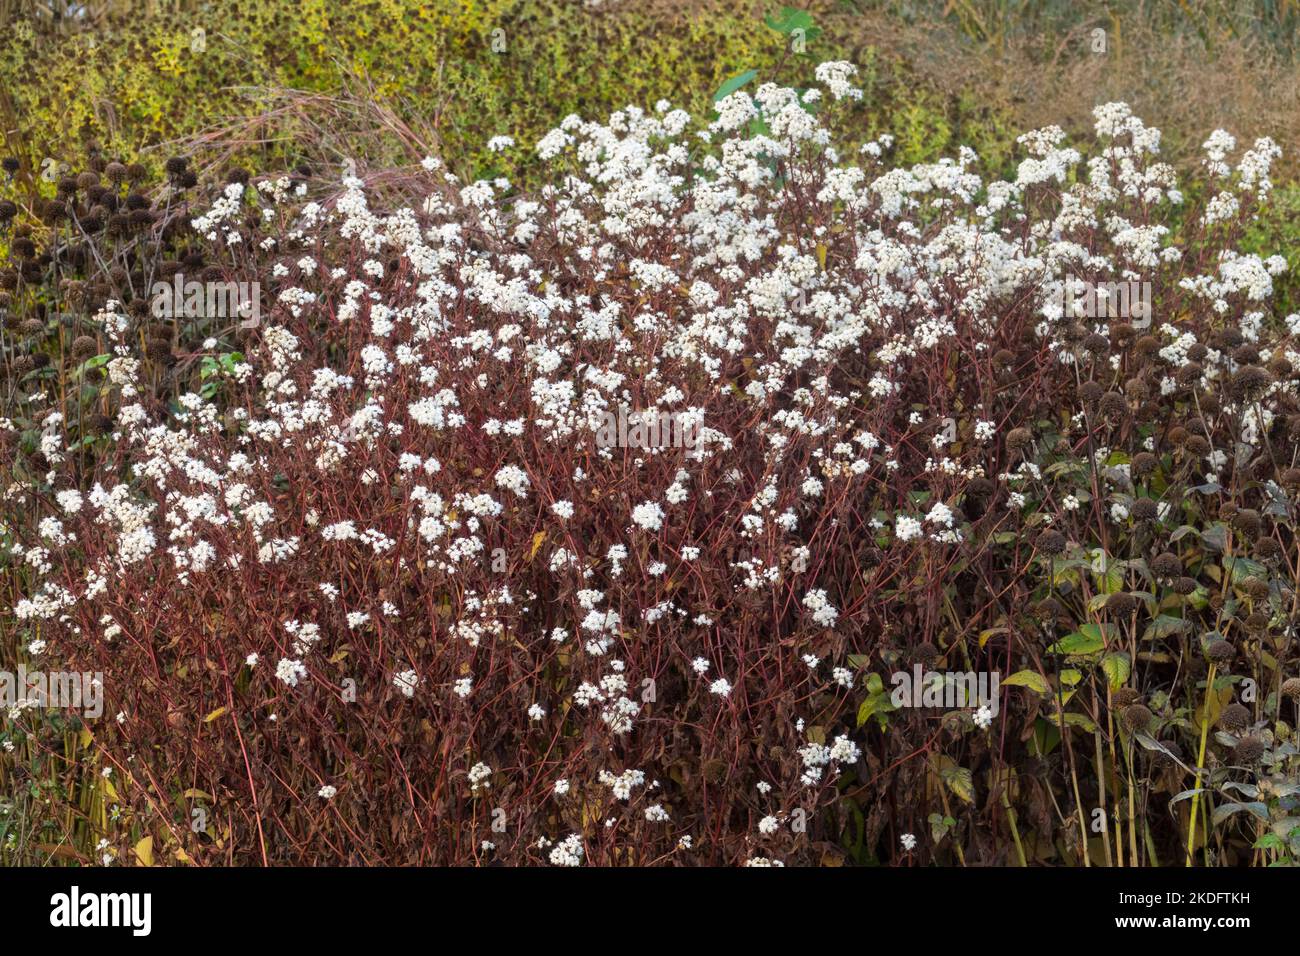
[367, 587]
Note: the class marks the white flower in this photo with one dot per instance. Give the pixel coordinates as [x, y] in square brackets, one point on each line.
[905, 528]
[648, 515]
[290, 671]
[568, 852]
[940, 514]
[844, 750]
[909, 842]
[327, 792]
[824, 613]
[406, 682]
[513, 478]
[721, 687]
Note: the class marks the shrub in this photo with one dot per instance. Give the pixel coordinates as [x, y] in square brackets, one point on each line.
[373, 581]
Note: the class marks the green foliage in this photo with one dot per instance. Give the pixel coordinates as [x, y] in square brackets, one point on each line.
[474, 68]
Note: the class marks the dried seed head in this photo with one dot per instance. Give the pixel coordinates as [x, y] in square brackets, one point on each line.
[84, 347]
[1019, 439]
[1234, 718]
[1144, 463]
[1051, 542]
[1121, 603]
[925, 653]
[1257, 622]
[1248, 751]
[1166, 565]
[1090, 393]
[1220, 651]
[1247, 522]
[1255, 587]
[1267, 549]
[1114, 406]
[1137, 716]
[1124, 697]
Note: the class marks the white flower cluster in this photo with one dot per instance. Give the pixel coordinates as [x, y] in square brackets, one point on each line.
[410, 465]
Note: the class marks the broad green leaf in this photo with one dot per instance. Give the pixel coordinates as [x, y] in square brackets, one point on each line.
[1088, 639]
[959, 781]
[1027, 678]
[1116, 667]
[733, 84]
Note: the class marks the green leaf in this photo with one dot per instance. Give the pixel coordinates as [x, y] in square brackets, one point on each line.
[791, 20]
[1027, 678]
[959, 781]
[1079, 720]
[1116, 666]
[1088, 639]
[1163, 626]
[733, 84]
[1242, 568]
[939, 826]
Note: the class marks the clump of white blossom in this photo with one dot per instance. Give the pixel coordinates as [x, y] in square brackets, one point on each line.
[404, 463]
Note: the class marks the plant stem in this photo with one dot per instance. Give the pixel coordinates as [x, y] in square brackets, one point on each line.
[1200, 760]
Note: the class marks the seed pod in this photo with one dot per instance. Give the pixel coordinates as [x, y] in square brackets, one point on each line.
[1144, 509]
[1124, 697]
[1051, 542]
[1234, 718]
[1137, 716]
[1268, 550]
[1121, 603]
[1220, 651]
[84, 347]
[1248, 751]
[1089, 394]
[925, 653]
[1113, 406]
[1166, 565]
[1255, 587]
